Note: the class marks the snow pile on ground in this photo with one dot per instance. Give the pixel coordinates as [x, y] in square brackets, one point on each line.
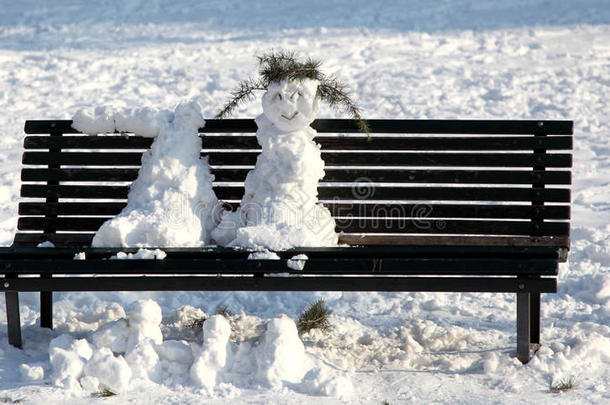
[128, 352]
[279, 209]
[171, 203]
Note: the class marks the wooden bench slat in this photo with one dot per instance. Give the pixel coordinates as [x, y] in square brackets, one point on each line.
[412, 143]
[338, 209]
[346, 193]
[338, 175]
[362, 225]
[315, 265]
[330, 158]
[84, 240]
[423, 251]
[562, 242]
[322, 283]
[327, 142]
[347, 125]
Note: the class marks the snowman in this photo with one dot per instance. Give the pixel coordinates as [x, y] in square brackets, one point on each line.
[171, 203]
[279, 209]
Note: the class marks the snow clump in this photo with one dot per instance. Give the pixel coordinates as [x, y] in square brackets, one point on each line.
[215, 354]
[31, 373]
[281, 354]
[171, 203]
[130, 351]
[93, 121]
[141, 254]
[323, 381]
[112, 372]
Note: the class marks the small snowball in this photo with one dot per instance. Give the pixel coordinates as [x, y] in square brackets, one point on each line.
[144, 121]
[144, 362]
[141, 254]
[215, 354]
[145, 311]
[63, 341]
[80, 256]
[97, 121]
[141, 332]
[112, 372]
[144, 320]
[175, 350]
[31, 373]
[263, 255]
[66, 342]
[71, 385]
[82, 348]
[297, 262]
[281, 354]
[112, 335]
[65, 364]
[186, 316]
[322, 381]
[90, 384]
[46, 244]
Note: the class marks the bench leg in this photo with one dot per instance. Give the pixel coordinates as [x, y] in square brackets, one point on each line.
[535, 318]
[13, 321]
[46, 306]
[46, 309]
[523, 327]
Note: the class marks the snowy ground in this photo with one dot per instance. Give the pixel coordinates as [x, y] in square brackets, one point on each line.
[536, 59]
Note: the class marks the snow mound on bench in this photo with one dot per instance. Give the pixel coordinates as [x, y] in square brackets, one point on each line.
[171, 203]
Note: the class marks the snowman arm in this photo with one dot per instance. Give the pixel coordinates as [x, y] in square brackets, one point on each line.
[242, 94]
[335, 94]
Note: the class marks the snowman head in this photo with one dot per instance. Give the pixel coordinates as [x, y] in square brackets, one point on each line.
[291, 105]
[294, 89]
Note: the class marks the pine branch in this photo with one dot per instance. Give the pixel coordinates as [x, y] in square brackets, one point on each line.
[243, 94]
[314, 317]
[336, 95]
[284, 65]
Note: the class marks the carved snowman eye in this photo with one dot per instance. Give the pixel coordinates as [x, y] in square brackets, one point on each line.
[278, 96]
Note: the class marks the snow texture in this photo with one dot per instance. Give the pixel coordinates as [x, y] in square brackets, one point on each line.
[477, 59]
[171, 203]
[297, 262]
[279, 209]
[280, 355]
[141, 254]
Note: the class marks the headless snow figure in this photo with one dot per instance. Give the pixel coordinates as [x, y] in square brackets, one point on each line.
[171, 203]
[279, 209]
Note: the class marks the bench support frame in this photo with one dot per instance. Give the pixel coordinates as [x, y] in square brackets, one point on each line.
[527, 302]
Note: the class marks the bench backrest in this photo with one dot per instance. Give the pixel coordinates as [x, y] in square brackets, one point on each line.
[412, 182]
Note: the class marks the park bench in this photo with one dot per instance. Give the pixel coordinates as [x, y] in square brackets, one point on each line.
[422, 205]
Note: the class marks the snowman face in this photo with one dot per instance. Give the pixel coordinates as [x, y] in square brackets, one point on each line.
[291, 105]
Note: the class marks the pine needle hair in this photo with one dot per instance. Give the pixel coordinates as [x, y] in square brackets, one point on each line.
[284, 65]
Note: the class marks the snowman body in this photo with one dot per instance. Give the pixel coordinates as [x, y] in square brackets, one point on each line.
[171, 203]
[279, 209]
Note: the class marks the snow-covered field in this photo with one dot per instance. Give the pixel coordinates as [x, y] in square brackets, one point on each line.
[519, 59]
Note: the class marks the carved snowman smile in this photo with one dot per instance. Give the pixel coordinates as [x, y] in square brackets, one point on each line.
[291, 117]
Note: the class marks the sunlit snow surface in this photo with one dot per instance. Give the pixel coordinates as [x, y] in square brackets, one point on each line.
[534, 59]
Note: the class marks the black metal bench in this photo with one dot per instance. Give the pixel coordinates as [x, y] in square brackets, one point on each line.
[425, 205]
